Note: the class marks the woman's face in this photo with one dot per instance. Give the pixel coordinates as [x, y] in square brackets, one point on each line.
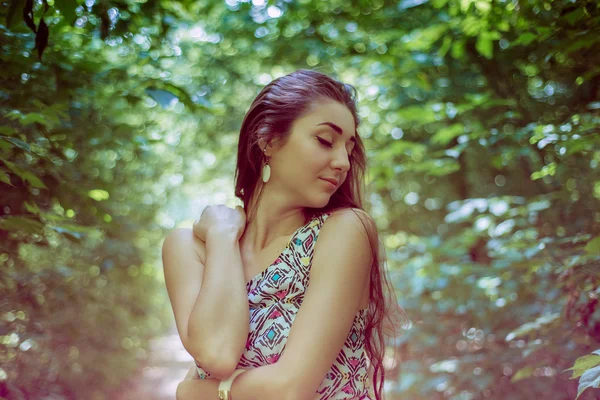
[318, 148]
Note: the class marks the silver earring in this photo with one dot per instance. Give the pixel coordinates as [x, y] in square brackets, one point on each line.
[266, 171]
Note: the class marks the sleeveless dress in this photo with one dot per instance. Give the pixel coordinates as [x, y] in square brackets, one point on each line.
[275, 296]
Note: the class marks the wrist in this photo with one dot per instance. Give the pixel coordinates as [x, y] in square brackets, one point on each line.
[224, 389]
[222, 235]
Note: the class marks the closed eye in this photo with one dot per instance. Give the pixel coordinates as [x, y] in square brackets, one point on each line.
[325, 142]
[328, 144]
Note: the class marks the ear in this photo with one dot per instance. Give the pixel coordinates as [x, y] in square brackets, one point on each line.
[262, 143]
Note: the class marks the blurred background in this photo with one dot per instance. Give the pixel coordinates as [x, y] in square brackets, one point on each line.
[119, 122]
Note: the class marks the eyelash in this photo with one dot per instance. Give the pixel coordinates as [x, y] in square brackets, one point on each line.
[325, 143]
[330, 145]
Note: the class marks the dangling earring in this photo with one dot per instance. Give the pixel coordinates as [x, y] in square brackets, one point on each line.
[266, 171]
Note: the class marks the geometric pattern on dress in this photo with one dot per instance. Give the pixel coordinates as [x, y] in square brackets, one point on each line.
[274, 298]
[348, 375]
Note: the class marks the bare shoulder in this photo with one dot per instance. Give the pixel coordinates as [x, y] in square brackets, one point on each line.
[350, 230]
[184, 240]
[353, 218]
[359, 245]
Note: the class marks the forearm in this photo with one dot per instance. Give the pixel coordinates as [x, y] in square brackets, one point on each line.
[262, 383]
[219, 322]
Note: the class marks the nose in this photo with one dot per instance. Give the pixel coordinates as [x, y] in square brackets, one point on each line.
[341, 160]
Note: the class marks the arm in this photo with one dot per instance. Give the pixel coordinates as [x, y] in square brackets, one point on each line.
[316, 338]
[212, 322]
[264, 383]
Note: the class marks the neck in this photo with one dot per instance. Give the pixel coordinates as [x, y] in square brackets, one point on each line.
[270, 216]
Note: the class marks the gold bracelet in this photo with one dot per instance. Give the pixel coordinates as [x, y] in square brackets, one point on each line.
[224, 391]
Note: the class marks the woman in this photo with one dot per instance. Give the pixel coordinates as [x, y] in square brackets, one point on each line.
[300, 171]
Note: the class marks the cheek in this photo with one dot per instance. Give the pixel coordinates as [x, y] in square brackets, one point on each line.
[310, 156]
[304, 161]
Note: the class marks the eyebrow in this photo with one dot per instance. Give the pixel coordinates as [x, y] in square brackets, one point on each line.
[337, 129]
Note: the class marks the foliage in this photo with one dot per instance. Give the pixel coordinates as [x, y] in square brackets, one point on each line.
[587, 368]
[79, 233]
[481, 121]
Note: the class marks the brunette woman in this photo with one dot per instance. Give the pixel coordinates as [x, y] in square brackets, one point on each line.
[290, 288]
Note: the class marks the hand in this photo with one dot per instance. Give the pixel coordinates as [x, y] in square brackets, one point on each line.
[217, 217]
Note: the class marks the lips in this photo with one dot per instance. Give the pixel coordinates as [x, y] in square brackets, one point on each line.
[334, 181]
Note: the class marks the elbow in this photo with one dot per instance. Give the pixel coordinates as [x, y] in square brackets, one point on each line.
[219, 365]
[222, 368]
[214, 356]
[213, 359]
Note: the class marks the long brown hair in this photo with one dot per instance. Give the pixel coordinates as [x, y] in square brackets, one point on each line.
[270, 117]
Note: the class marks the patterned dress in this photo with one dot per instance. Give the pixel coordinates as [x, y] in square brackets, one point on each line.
[275, 296]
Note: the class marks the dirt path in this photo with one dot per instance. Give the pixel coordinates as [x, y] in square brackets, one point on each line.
[168, 364]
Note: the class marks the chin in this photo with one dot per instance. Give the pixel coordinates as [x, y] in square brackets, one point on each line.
[326, 201]
[318, 203]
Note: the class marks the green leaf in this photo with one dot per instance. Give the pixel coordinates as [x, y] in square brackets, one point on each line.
[33, 180]
[17, 142]
[494, 35]
[593, 246]
[582, 364]
[583, 43]
[458, 49]
[546, 170]
[446, 45]
[32, 208]
[34, 117]
[54, 217]
[423, 39]
[26, 175]
[25, 224]
[441, 167]
[574, 16]
[71, 231]
[444, 135]
[525, 39]
[522, 373]
[464, 5]
[402, 147]
[483, 6]
[485, 46]
[7, 130]
[416, 115]
[4, 177]
[578, 145]
[503, 26]
[473, 25]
